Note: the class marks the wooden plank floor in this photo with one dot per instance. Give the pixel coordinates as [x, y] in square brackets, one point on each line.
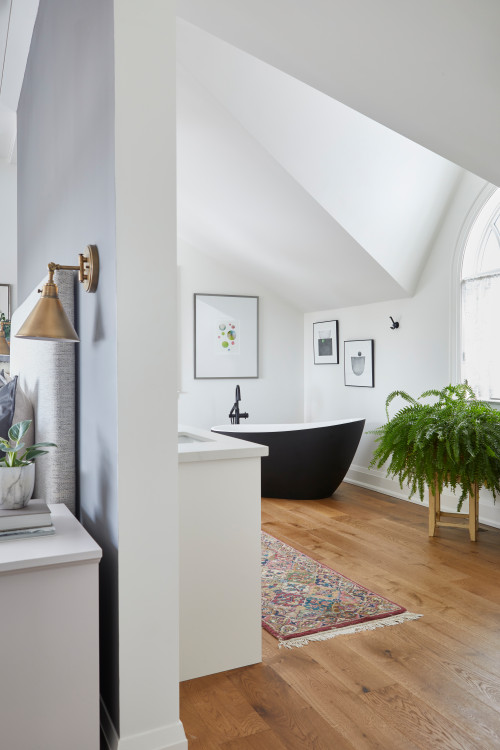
[429, 683]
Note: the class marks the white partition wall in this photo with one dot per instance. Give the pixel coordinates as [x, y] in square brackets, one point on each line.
[146, 299]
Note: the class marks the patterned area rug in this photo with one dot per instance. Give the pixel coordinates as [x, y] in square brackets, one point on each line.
[304, 600]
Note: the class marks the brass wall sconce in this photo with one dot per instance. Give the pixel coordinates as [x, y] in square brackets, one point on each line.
[48, 320]
[4, 344]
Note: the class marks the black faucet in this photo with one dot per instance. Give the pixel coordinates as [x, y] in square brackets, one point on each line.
[234, 414]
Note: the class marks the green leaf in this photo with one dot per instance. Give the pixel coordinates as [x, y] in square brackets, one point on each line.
[19, 429]
[32, 453]
[393, 395]
[35, 450]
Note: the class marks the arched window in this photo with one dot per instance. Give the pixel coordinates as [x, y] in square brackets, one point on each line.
[480, 293]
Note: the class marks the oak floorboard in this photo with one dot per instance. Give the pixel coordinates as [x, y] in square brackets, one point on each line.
[357, 673]
[340, 707]
[306, 539]
[288, 515]
[198, 734]
[389, 532]
[427, 684]
[482, 682]
[369, 541]
[418, 721]
[209, 695]
[481, 588]
[410, 671]
[267, 740]
[481, 650]
[288, 714]
[323, 551]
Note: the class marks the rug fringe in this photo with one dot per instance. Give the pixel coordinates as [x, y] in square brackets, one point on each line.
[327, 634]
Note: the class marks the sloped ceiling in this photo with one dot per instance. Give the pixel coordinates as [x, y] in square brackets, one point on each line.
[236, 203]
[426, 69]
[323, 204]
[17, 20]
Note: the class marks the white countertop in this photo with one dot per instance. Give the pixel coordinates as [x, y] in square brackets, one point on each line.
[210, 446]
[70, 544]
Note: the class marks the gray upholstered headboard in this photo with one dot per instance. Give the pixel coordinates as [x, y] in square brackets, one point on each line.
[46, 373]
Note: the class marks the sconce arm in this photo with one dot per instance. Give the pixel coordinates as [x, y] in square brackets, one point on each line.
[88, 269]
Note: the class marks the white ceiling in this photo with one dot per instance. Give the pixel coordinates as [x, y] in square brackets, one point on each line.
[17, 19]
[236, 203]
[277, 178]
[426, 69]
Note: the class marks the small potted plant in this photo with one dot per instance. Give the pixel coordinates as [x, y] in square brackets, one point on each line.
[17, 468]
[6, 325]
[454, 441]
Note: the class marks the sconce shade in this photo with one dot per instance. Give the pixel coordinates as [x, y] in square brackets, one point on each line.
[48, 321]
[4, 344]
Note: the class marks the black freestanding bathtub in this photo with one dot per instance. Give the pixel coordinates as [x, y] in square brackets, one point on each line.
[306, 461]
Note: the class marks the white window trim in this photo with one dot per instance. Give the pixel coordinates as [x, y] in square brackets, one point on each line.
[456, 282]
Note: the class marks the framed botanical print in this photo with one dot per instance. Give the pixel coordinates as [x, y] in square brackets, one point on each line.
[226, 336]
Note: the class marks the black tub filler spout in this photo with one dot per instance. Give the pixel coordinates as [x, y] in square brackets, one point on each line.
[235, 415]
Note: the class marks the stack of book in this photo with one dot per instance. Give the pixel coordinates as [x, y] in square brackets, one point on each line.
[32, 520]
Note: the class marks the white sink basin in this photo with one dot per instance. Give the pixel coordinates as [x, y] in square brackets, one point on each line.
[183, 437]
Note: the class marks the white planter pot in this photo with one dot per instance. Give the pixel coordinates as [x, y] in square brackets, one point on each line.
[16, 485]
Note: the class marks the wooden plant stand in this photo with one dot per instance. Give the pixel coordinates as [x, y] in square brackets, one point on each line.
[438, 517]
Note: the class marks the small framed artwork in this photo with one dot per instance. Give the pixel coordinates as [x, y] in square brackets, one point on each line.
[226, 336]
[5, 300]
[326, 342]
[359, 363]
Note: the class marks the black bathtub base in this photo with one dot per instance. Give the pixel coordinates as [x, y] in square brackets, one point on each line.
[305, 464]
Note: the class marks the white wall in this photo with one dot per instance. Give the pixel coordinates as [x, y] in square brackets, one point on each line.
[8, 225]
[277, 394]
[146, 298]
[415, 357]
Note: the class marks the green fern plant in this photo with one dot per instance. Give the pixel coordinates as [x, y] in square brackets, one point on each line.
[454, 441]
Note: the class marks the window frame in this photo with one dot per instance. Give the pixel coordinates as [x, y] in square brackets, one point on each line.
[456, 280]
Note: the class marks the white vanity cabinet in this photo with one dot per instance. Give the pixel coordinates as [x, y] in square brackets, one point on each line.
[49, 639]
[220, 553]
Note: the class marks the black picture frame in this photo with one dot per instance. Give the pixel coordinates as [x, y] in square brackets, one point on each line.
[326, 342]
[359, 363]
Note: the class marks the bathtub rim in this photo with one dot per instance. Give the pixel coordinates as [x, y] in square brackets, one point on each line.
[286, 427]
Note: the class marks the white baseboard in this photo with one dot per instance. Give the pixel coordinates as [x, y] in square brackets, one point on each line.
[170, 737]
[377, 481]
[373, 479]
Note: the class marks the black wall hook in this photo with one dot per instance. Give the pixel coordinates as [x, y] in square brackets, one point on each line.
[395, 324]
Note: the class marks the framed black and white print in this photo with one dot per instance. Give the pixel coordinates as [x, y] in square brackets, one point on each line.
[359, 363]
[326, 342]
[226, 336]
